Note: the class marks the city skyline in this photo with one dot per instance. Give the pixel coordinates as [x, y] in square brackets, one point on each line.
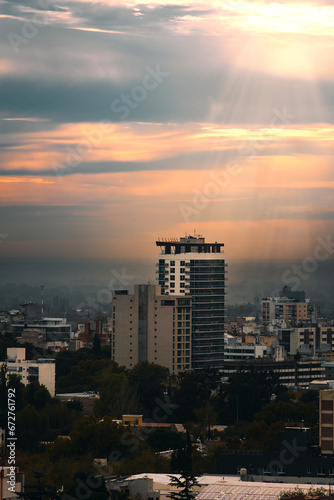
[121, 123]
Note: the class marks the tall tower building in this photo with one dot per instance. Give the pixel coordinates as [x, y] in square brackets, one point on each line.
[148, 326]
[190, 266]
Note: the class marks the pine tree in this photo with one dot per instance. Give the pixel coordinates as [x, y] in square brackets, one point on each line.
[187, 480]
[185, 484]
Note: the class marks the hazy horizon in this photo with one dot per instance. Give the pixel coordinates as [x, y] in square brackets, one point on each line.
[246, 281]
[122, 123]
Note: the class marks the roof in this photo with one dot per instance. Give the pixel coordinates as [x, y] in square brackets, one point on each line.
[156, 424]
[165, 478]
[216, 487]
[234, 489]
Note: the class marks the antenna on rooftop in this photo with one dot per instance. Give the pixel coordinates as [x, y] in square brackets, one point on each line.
[42, 307]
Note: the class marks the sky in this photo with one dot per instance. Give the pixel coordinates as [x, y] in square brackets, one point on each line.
[122, 123]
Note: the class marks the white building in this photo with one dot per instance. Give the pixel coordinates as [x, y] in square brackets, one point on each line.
[11, 482]
[234, 350]
[190, 266]
[42, 370]
[54, 329]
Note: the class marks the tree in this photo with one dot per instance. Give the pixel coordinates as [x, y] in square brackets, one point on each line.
[185, 484]
[182, 458]
[96, 345]
[206, 417]
[165, 439]
[117, 397]
[246, 393]
[30, 428]
[193, 392]
[150, 380]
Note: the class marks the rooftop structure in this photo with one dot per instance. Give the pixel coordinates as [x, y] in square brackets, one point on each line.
[190, 266]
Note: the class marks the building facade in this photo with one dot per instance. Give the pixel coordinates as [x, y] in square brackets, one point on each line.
[41, 370]
[190, 266]
[292, 372]
[148, 326]
[314, 338]
[287, 308]
[326, 421]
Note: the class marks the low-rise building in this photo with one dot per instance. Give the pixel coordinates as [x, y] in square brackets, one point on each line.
[11, 482]
[42, 370]
[292, 372]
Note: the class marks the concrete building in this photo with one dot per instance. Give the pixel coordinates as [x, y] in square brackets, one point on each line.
[234, 350]
[285, 309]
[150, 326]
[190, 266]
[291, 372]
[38, 338]
[90, 329]
[154, 486]
[312, 338]
[297, 461]
[53, 329]
[326, 421]
[11, 482]
[141, 487]
[41, 370]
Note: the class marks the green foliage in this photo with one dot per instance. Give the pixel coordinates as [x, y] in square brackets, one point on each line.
[65, 360]
[117, 397]
[100, 438]
[145, 459]
[310, 396]
[84, 376]
[30, 428]
[185, 484]
[4, 344]
[292, 411]
[37, 395]
[194, 390]
[298, 492]
[206, 417]
[149, 380]
[165, 439]
[96, 345]
[182, 458]
[246, 393]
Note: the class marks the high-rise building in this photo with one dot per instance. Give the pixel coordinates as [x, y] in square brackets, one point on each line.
[190, 266]
[148, 326]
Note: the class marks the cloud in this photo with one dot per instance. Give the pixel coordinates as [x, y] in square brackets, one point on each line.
[247, 83]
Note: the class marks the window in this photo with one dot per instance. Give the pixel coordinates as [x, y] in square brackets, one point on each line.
[321, 472]
[168, 302]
